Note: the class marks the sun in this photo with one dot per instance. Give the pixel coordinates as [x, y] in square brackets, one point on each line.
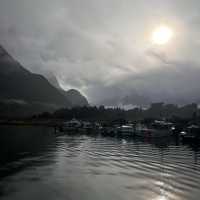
[162, 35]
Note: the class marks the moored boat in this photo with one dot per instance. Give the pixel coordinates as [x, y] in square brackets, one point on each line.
[191, 134]
[72, 125]
[125, 130]
[156, 129]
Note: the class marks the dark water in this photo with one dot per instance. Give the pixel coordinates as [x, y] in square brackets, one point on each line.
[37, 164]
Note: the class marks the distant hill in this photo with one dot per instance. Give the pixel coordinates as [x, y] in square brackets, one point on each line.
[19, 86]
[74, 96]
[133, 99]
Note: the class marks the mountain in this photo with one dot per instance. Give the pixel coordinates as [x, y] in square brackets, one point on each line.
[19, 86]
[52, 80]
[74, 96]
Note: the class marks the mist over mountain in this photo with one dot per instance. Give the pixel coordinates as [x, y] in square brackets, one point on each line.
[9, 65]
[129, 100]
[105, 55]
[25, 93]
[73, 95]
[27, 90]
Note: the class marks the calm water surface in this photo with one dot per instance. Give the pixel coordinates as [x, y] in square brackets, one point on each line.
[35, 163]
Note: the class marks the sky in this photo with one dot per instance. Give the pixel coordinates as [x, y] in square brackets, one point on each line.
[104, 48]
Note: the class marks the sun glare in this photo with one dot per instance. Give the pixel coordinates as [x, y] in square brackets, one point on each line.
[162, 35]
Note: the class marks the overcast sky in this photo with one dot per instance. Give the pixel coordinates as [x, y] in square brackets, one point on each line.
[104, 47]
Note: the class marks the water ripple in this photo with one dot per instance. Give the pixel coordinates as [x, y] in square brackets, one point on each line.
[89, 167]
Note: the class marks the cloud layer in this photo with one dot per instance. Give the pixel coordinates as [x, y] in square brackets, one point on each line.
[103, 48]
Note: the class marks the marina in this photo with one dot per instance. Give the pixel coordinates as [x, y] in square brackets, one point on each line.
[156, 129]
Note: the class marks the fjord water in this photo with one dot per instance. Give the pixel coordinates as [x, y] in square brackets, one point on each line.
[36, 163]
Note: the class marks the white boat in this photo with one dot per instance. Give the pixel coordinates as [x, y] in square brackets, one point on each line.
[125, 130]
[191, 134]
[156, 129]
[71, 125]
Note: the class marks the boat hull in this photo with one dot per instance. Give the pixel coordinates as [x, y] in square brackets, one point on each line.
[153, 133]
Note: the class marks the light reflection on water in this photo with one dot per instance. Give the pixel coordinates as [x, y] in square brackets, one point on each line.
[37, 164]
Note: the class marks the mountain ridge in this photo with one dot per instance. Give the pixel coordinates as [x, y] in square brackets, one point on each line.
[73, 95]
[19, 85]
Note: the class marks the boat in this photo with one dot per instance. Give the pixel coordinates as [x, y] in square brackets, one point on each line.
[125, 130]
[83, 127]
[191, 134]
[72, 125]
[87, 127]
[156, 129]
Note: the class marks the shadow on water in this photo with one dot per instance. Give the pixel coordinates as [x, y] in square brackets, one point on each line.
[36, 163]
[21, 147]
